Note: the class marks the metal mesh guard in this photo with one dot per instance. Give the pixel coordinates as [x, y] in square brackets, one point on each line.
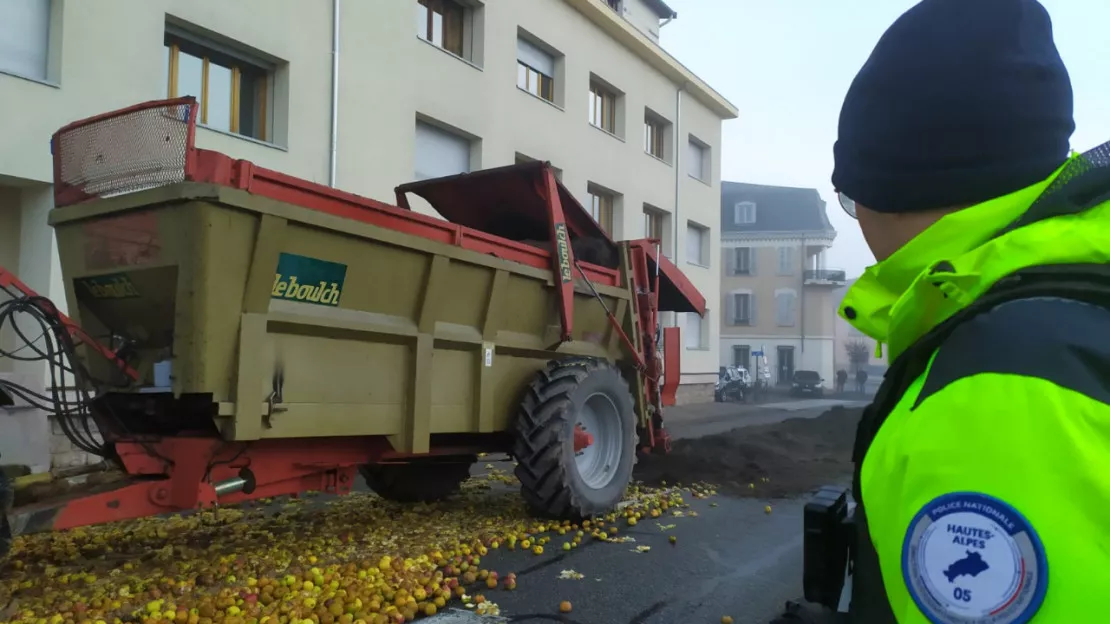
[135, 150]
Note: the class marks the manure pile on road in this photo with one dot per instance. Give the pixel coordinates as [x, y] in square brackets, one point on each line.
[784, 459]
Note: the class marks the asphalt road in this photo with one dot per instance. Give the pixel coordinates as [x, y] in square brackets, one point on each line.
[732, 559]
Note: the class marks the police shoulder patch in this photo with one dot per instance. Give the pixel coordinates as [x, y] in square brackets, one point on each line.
[972, 558]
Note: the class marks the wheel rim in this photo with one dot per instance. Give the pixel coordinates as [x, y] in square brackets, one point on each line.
[598, 462]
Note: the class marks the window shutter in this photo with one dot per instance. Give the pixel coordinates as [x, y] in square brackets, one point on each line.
[25, 37]
[792, 307]
[439, 153]
[529, 54]
[753, 253]
[730, 309]
[752, 308]
[731, 254]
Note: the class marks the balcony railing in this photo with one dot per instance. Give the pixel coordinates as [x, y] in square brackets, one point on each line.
[827, 276]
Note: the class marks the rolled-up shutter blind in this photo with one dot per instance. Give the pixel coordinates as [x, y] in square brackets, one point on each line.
[439, 153]
[24, 37]
[535, 58]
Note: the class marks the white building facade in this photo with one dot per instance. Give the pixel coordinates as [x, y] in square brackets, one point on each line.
[368, 95]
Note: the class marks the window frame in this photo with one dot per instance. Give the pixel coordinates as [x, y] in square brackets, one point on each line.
[747, 361]
[703, 158]
[601, 206]
[529, 77]
[545, 89]
[653, 217]
[740, 210]
[448, 9]
[48, 53]
[745, 267]
[703, 239]
[600, 117]
[786, 261]
[457, 138]
[737, 318]
[787, 317]
[655, 137]
[702, 343]
[176, 43]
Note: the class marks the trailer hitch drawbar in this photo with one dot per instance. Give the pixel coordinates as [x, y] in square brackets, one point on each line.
[244, 483]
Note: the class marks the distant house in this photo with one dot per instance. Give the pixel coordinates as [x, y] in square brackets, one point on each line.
[776, 290]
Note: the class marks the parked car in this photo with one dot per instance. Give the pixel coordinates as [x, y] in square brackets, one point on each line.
[733, 384]
[807, 383]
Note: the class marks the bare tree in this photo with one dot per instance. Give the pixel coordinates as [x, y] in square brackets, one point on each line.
[859, 353]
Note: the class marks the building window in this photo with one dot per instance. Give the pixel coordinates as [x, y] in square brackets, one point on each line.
[697, 159]
[743, 213]
[603, 108]
[535, 72]
[614, 4]
[697, 242]
[25, 37]
[741, 312]
[696, 334]
[600, 206]
[742, 261]
[439, 152]
[655, 136]
[785, 312]
[653, 224]
[441, 23]
[742, 356]
[235, 94]
[786, 261]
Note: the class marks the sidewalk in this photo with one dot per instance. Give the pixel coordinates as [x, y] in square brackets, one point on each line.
[716, 411]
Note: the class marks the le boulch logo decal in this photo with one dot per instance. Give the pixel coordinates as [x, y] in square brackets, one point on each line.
[308, 280]
[562, 248]
[116, 286]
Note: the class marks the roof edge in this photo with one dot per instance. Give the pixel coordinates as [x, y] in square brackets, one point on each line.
[629, 36]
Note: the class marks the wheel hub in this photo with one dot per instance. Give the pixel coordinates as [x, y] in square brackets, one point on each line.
[582, 439]
[597, 441]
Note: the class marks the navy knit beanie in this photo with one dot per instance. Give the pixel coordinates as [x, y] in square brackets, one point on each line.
[960, 102]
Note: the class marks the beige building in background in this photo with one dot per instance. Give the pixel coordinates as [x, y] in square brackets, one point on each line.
[423, 88]
[775, 287]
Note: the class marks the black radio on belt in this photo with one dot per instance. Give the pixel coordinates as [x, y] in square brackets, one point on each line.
[828, 537]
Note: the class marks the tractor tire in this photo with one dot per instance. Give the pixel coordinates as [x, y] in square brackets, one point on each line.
[422, 481]
[556, 481]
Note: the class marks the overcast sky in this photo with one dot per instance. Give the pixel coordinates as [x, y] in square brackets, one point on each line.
[786, 64]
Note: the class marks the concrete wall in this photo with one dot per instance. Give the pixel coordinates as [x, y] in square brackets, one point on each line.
[107, 55]
[811, 316]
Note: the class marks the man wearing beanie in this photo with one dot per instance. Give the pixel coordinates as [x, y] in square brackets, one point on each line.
[983, 465]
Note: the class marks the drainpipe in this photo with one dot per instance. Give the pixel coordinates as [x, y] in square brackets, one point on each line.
[334, 156]
[677, 171]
